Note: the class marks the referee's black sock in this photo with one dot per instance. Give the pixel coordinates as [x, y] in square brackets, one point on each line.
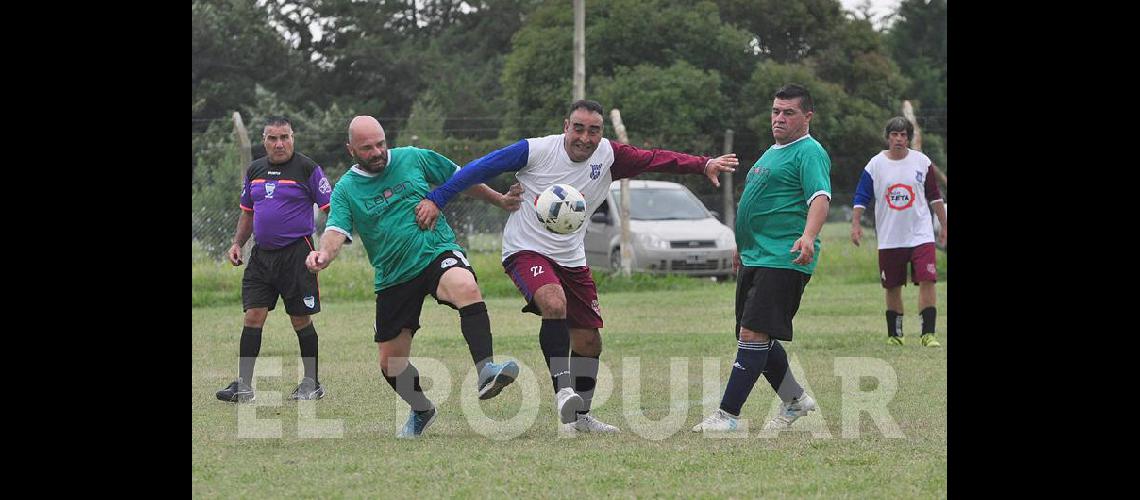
[476, 328]
[407, 385]
[307, 338]
[554, 337]
[248, 349]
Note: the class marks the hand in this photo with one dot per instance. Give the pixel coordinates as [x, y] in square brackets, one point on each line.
[736, 262]
[856, 233]
[513, 199]
[317, 260]
[234, 254]
[426, 214]
[723, 163]
[806, 247]
[942, 236]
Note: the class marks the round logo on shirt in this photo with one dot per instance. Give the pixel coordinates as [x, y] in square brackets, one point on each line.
[900, 196]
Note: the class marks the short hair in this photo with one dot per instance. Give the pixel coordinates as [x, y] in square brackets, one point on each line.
[792, 91]
[587, 105]
[276, 121]
[899, 124]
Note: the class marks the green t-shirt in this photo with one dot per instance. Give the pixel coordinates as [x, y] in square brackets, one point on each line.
[381, 210]
[773, 208]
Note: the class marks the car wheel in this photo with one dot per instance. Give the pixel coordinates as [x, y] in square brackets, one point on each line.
[615, 259]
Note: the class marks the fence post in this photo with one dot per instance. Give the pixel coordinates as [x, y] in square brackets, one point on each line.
[244, 159]
[726, 186]
[626, 245]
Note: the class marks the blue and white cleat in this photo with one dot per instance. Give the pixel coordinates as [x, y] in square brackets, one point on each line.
[494, 377]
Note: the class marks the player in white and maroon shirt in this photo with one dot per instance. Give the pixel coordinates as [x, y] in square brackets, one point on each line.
[550, 269]
[901, 182]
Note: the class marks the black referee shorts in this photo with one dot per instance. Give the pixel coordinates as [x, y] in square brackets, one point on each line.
[767, 299]
[281, 272]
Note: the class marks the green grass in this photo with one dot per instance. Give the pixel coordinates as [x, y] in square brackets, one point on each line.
[215, 282]
[836, 320]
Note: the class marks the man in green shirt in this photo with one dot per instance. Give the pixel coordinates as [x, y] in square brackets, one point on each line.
[377, 198]
[783, 207]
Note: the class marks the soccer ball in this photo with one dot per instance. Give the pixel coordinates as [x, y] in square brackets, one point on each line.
[561, 208]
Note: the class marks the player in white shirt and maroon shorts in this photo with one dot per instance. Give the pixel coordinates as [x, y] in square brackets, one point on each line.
[550, 269]
[901, 181]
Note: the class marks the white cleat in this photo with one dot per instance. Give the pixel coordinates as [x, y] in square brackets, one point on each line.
[719, 421]
[587, 423]
[789, 412]
[568, 403]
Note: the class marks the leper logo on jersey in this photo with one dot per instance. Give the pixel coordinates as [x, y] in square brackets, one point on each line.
[324, 186]
[919, 176]
[595, 171]
[900, 196]
[269, 188]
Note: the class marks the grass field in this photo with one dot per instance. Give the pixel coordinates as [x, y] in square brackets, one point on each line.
[840, 318]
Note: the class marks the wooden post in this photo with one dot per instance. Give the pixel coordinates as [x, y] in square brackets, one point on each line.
[579, 49]
[243, 146]
[727, 191]
[626, 241]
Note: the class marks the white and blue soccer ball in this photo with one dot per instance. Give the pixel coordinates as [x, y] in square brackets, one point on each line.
[561, 208]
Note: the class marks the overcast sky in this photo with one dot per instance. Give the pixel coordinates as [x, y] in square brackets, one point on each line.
[878, 7]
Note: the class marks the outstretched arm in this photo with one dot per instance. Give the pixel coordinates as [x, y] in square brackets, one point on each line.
[427, 212]
[630, 161]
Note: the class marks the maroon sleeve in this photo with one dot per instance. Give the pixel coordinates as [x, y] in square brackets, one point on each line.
[932, 191]
[630, 161]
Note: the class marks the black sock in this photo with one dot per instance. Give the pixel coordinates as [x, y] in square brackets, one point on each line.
[476, 327]
[554, 337]
[894, 323]
[928, 316]
[585, 371]
[248, 349]
[779, 374]
[751, 359]
[407, 385]
[307, 339]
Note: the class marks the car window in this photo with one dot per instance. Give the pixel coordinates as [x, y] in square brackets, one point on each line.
[662, 204]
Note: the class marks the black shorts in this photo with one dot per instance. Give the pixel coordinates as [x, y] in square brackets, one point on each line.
[399, 306]
[767, 299]
[281, 271]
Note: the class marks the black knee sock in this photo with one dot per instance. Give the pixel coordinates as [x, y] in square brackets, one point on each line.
[307, 339]
[894, 323]
[248, 349]
[779, 374]
[554, 337]
[585, 371]
[928, 316]
[407, 385]
[751, 359]
[476, 328]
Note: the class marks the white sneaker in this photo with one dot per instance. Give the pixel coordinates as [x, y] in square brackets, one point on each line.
[719, 421]
[789, 412]
[568, 403]
[587, 423]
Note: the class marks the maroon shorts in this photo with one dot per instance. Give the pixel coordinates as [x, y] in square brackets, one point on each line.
[893, 261]
[531, 270]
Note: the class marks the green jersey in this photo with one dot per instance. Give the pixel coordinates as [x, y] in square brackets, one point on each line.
[773, 208]
[380, 208]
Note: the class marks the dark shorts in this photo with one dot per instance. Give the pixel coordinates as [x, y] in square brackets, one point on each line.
[531, 270]
[399, 306]
[281, 272]
[767, 299]
[893, 263]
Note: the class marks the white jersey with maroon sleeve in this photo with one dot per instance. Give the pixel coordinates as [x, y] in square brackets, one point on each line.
[903, 190]
[548, 164]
